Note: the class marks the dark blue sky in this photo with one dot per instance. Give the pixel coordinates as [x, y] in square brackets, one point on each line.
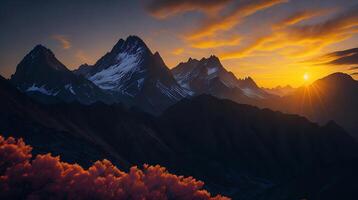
[265, 39]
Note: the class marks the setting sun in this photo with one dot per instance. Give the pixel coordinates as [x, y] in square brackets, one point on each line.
[306, 77]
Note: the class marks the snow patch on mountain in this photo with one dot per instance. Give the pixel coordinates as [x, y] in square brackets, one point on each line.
[140, 83]
[212, 70]
[41, 89]
[171, 92]
[252, 93]
[112, 77]
[69, 87]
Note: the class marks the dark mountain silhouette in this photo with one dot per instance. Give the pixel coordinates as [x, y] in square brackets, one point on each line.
[44, 77]
[130, 69]
[239, 141]
[338, 181]
[22, 117]
[208, 76]
[333, 97]
[79, 133]
[239, 150]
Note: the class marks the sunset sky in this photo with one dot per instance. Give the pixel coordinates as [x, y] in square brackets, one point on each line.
[277, 42]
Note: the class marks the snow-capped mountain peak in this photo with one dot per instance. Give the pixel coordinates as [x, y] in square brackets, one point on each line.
[132, 45]
[111, 78]
[208, 75]
[41, 73]
[130, 69]
[194, 72]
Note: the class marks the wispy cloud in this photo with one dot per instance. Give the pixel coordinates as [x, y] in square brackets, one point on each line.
[298, 17]
[296, 40]
[221, 16]
[233, 17]
[346, 57]
[166, 8]
[63, 40]
[215, 42]
[178, 51]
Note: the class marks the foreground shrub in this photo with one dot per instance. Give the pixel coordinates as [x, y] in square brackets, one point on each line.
[46, 177]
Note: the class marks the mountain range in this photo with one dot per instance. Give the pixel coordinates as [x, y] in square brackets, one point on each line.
[238, 150]
[197, 119]
[131, 74]
[208, 76]
[134, 76]
[131, 70]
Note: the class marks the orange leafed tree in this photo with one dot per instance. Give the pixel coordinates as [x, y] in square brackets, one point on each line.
[46, 177]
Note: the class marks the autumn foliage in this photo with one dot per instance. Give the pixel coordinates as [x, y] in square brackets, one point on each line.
[46, 177]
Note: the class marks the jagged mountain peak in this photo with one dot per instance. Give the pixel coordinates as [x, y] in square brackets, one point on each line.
[212, 62]
[210, 66]
[40, 51]
[134, 39]
[248, 82]
[132, 71]
[132, 44]
[209, 76]
[212, 58]
[191, 59]
[40, 48]
[157, 54]
[41, 75]
[205, 68]
[39, 64]
[40, 56]
[158, 58]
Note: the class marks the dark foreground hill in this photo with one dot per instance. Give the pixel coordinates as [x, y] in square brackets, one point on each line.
[238, 150]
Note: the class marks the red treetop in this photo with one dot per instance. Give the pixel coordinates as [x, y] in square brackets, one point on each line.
[47, 177]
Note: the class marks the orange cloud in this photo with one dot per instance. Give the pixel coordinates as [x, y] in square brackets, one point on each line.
[215, 42]
[65, 42]
[228, 21]
[295, 40]
[298, 17]
[344, 23]
[178, 51]
[233, 12]
[165, 8]
[248, 49]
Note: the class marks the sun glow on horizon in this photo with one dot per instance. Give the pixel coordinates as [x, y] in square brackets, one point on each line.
[306, 76]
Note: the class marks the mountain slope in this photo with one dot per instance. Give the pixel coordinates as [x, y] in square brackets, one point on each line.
[333, 97]
[20, 116]
[248, 147]
[44, 77]
[80, 133]
[208, 76]
[239, 150]
[132, 70]
[338, 181]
